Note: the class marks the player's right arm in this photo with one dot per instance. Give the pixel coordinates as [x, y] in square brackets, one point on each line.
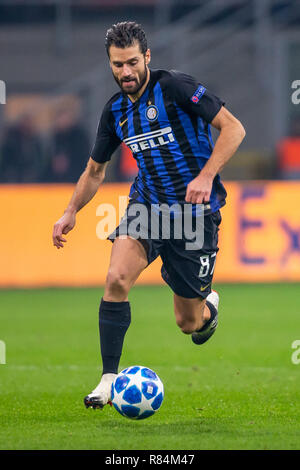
[87, 186]
[106, 143]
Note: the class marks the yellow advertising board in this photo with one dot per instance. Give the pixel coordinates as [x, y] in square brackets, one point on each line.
[259, 235]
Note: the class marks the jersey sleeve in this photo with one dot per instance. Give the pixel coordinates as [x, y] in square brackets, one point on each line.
[193, 97]
[107, 140]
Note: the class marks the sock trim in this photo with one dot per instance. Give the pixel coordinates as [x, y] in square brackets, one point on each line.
[114, 305]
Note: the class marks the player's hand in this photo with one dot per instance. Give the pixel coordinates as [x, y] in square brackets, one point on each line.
[62, 227]
[199, 189]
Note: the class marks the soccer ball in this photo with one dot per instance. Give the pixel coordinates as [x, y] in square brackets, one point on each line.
[137, 392]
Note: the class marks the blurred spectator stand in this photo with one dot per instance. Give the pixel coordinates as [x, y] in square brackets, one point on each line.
[21, 152]
[289, 153]
[69, 146]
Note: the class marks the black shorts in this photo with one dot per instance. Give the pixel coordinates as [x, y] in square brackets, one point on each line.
[189, 273]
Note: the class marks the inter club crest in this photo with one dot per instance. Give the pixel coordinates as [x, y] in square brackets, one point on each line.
[152, 113]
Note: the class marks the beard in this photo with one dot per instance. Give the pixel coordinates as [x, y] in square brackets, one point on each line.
[137, 84]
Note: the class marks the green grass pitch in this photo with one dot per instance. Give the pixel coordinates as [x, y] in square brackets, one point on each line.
[240, 390]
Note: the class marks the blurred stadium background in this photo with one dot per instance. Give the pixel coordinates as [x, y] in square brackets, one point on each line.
[57, 78]
[241, 390]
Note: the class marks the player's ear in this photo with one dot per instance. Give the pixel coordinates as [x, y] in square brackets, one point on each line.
[148, 56]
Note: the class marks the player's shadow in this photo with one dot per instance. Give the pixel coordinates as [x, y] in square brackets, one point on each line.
[164, 429]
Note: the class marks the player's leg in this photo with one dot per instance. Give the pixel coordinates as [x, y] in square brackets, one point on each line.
[190, 314]
[128, 260]
[197, 316]
[189, 273]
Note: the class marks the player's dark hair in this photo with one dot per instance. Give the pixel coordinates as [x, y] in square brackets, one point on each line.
[124, 34]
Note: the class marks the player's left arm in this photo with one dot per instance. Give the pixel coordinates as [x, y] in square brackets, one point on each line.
[231, 135]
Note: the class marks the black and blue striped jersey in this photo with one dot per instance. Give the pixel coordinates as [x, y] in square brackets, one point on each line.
[168, 132]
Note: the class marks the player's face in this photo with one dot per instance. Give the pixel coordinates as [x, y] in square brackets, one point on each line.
[129, 67]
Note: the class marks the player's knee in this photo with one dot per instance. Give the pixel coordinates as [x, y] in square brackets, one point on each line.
[187, 326]
[116, 282]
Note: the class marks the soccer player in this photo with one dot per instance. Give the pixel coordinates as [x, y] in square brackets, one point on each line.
[164, 117]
